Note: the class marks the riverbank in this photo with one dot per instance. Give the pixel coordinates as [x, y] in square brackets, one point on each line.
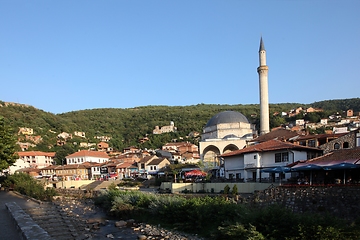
[79, 218]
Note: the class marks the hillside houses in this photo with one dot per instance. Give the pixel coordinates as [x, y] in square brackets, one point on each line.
[183, 152]
[289, 143]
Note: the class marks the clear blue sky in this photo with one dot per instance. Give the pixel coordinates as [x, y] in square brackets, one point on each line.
[62, 56]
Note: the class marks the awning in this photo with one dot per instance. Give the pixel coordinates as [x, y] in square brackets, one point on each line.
[342, 166]
[306, 167]
[278, 169]
[195, 173]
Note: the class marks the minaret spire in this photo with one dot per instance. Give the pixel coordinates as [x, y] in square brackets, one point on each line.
[264, 92]
[262, 47]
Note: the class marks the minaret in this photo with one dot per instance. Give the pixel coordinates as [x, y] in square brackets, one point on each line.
[263, 86]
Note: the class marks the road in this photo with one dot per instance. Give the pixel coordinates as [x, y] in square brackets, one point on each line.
[7, 226]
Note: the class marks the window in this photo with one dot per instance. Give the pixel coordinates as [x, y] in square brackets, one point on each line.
[254, 156]
[277, 157]
[311, 143]
[285, 157]
[282, 157]
[345, 145]
[336, 146]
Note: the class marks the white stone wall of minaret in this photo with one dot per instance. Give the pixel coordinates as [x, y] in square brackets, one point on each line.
[264, 90]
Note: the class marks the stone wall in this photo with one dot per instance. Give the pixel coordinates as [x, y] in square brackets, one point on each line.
[340, 201]
[350, 139]
[77, 193]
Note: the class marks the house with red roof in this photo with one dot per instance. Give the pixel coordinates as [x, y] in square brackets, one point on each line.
[337, 167]
[32, 159]
[87, 156]
[127, 170]
[74, 171]
[248, 164]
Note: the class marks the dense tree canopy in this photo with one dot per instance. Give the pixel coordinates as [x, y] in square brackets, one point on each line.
[7, 145]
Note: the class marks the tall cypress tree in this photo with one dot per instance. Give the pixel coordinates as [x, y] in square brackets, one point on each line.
[7, 145]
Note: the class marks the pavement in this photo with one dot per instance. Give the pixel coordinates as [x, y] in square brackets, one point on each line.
[8, 229]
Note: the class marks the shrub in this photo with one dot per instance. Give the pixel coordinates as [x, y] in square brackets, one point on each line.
[29, 186]
[226, 189]
[239, 232]
[196, 215]
[234, 190]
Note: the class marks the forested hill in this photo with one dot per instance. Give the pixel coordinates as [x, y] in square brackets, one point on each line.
[127, 126]
[340, 104]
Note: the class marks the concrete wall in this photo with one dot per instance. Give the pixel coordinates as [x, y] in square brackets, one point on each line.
[71, 184]
[214, 187]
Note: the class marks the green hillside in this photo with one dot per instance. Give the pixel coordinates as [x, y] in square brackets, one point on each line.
[127, 126]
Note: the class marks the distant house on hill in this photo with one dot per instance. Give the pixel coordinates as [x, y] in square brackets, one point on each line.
[64, 135]
[349, 113]
[102, 146]
[311, 110]
[103, 138]
[165, 129]
[26, 131]
[79, 134]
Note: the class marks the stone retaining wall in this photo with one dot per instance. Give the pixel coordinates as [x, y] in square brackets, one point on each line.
[340, 201]
[78, 193]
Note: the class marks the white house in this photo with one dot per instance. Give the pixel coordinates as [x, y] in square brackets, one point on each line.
[155, 165]
[247, 163]
[87, 156]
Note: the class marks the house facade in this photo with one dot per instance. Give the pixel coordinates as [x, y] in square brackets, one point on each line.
[87, 156]
[247, 164]
[73, 172]
[127, 170]
[32, 159]
[155, 165]
[150, 165]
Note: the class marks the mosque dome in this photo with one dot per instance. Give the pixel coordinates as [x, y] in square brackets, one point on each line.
[227, 117]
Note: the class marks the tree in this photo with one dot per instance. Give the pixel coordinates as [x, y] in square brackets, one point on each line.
[7, 145]
[62, 152]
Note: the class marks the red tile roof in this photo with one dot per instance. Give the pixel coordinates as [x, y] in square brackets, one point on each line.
[278, 134]
[126, 165]
[337, 156]
[271, 145]
[157, 161]
[87, 153]
[147, 159]
[321, 136]
[35, 153]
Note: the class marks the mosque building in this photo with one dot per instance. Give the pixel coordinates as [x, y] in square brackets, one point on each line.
[230, 130]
